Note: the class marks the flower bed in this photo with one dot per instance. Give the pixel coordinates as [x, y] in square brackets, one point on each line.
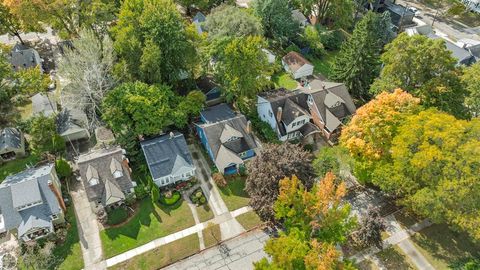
[170, 199]
[197, 197]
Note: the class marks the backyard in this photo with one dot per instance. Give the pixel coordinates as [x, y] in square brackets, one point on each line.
[69, 254]
[324, 64]
[151, 222]
[284, 80]
[16, 166]
[164, 255]
[233, 194]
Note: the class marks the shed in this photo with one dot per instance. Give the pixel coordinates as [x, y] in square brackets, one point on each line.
[12, 144]
[297, 65]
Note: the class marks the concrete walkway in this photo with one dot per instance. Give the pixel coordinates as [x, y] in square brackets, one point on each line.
[193, 209]
[88, 230]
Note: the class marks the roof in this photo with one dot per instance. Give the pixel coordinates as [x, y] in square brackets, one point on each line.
[23, 188]
[167, 154]
[295, 61]
[42, 104]
[399, 10]
[98, 164]
[10, 138]
[217, 113]
[103, 134]
[462, 55]
[22, 57]
[309, 128]
[206, 84]
[298, 16]
[198, 20]
[227, 139]
[70, 121]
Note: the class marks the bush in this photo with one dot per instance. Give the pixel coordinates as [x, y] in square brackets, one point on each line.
[141, 191]
[292, 48]
[312, 38]
[264, 130]
[242, 170]
[63, 168]
[173, 199]
[116, 216]
[331, 40]
[219, 179]
[197, 197]
[308, 147]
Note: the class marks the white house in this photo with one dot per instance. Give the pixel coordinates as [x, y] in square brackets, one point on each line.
[297, 65]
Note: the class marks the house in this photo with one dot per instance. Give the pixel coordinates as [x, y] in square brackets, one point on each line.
[211, 89]
[12, 144]
[23, 57]
[298, 17]
[31, 203]
[318, 108]
[198, 20]
[270, 56]
[297, 65]
[71, 125]
[42, 104]
[227, 137]
[105, 174]
[168, 159]
[464, 56]
[401, 16]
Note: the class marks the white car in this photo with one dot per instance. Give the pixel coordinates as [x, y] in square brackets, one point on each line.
[414, 10]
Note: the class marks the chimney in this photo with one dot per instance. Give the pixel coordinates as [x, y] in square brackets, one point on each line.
[279, 114]
[171, 135]
[57, 195]
[249, 127]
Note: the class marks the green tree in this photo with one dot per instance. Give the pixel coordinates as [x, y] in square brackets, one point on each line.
[331, 159]
[338, 13]
[155, 194]
[63, 168]
[44, 136]
[152, 43]
[191, 105]
[313, 39]
[9, 23]
[230, 21]
[435, 169]
[7, 111]
[358, 63]
[426, 69]
[31, 81]
[471, 80]
[241, 67]
[276, 18]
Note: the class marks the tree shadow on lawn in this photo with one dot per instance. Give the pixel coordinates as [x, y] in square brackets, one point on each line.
[235, 186]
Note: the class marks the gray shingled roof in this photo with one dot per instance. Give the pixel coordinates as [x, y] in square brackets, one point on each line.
[41, 104]
[70, 120]
[166, 154]
[462, 55]
[295, 61]
[34, 217]
[217, 113]
[10, 138]
[22, 57]
[100, 163]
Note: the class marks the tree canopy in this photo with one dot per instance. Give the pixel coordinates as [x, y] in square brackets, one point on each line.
[9, 23]
[231, 21]
[44, 136]
[471, 81]
[276, 18]
[338, 13]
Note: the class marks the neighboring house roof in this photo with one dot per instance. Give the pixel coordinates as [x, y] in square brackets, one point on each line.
[295, 61]
[462, 55]
[167, 154]
[298, 16]
[104, 135]
[208, 86]
[10, 138]
[217, 113]
[28, 186]
[227, 139]
[101, 166]
[70, 121]
[198, 20]
[22, 57]
[41, 104]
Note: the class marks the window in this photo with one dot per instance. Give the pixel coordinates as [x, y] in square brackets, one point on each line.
[117, 174]
[54, 216]
[294, 124]
[93, 182]
[270, 113]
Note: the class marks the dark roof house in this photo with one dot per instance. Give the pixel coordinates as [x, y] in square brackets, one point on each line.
[12, 144]
[22, 57]
[42, 104]
[168, 158]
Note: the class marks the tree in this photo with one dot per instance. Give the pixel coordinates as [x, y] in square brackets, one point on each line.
[369, 135]
[358, 63]
[338, 13]
[426, 69]
[31, 81]
[39, 257]
[370, 230]
[191, 105]
[87, 68]
[44, 136]
[63, 168]
[267, 169]
[152, 43]
[312, 37]
[471, 80]
[230, 21]
[241, 67]
[276, 18]
[9, 24]
[7, 111]
[331, 159]
[434, 169]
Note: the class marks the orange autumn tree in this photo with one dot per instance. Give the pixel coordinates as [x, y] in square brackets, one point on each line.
[314, 221]
[368, 136]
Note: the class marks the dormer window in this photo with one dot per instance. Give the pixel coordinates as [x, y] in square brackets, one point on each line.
[92, 176]
[116, 168]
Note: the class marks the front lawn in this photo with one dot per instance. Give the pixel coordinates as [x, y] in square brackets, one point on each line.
[69, 254]
[442, 246]
[249, 220]
[151, 222]
[394, 258]
[16, 166]
[162, 256]
[212, 235]
[323, 65]
[233, 194]
[204, 212]
[284, 80]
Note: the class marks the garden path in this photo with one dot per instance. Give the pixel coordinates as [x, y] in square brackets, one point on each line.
[193, 209]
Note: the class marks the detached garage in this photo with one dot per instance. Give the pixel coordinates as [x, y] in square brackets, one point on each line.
[297, 65]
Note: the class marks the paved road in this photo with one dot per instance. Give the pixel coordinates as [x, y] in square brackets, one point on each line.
[88, 230]
[6, 39]
[240, 253]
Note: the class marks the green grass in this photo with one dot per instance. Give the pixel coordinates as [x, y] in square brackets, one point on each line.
[212, 235]
[16, 166]
[284, 80]
[70, 253]
[249, 220]
[117, 216]
[394, 258]
[442, 246]
[233, 194]
[172, 200]
[151, 222]
[323, 65]
[162, 256]
[204, 212]
[26, 110]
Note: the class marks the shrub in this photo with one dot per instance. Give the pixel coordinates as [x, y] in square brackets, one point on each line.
[197, 197]
[63, 168]
[331, 40]
[173, 199]
[242, 170]
[308, 147]
[219, 179]
[312, 38]
[292, 48]
[116, 216]
[141, 191]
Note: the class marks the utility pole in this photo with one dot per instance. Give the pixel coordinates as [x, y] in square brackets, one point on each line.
[434, 17]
